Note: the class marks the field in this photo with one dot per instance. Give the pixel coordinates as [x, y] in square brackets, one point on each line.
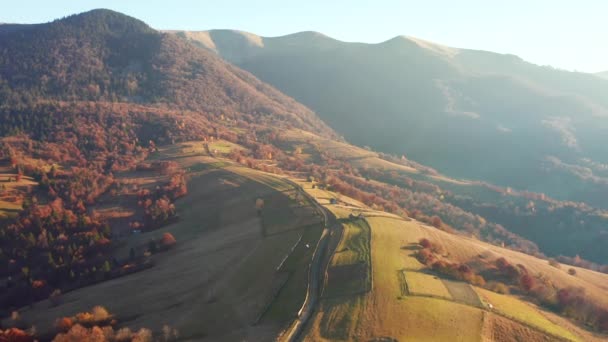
[221, 282]
[462, 292]
[384, 312]
[12, 192]
[424, 284]
[523, 312]
[408, 303]
[349, 270]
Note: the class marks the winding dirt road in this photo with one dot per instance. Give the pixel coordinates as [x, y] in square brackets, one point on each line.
[315, 271]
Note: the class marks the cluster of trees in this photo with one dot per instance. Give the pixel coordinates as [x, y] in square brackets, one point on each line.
[426, 207]
[99, 325]
[430, 255]
[570, 301]
[95, 325]
[57, 242]
[530, 215]
[50, 246]
[15, 335]
[541, 220]
[158, 204]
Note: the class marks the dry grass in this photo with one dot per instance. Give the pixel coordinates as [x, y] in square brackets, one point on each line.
[388, 235]
[524, 312]
[383, 312]
[419, 283]
[12, 193]
[350, 270]
[498, 328]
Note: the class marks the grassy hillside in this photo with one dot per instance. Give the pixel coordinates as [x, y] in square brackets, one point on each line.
[407, 301]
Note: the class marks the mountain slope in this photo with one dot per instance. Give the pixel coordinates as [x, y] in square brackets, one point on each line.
[106, 56]
[471, 114]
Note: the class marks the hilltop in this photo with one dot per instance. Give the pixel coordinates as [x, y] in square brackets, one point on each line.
[107, 56]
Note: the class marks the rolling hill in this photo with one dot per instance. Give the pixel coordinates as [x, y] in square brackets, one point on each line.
[407, 300]
[471, 114]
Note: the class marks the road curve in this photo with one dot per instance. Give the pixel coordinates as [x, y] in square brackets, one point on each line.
[315, 271]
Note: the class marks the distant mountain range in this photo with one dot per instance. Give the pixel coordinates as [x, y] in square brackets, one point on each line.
[469, 113]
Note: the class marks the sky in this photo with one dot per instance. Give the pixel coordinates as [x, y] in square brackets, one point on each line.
[565, 34]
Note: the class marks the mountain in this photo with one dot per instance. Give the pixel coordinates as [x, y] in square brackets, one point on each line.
[471, 114]
[603, 74]
[107, 56]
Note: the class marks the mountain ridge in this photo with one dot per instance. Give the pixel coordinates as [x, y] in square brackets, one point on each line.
[420, 85]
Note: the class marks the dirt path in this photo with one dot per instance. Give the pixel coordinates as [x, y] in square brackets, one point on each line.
[315, 272]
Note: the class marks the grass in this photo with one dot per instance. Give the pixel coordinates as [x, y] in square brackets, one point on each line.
[354, 245]
[207, 166]
[223, 147]
[337, 320]
[521, 311]
[384, 312]
[9, 210]
[410, 318]
[462, 292]
[419, 283]
[290, 298]
[349, 270]
[267, 179]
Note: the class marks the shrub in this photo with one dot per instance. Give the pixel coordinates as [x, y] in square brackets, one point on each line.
[55, 297]
[63, 324]
[527, 282]
[572, 271]
[15, 335]
[100, 313]
[425, 243]
[425, 256]
[436, 222]
[497, 287]
[168, 240]
[479, 281]
[546, 295]
[507, 269]
[554, 263]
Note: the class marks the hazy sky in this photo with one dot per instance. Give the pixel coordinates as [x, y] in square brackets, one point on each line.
[567, 34]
